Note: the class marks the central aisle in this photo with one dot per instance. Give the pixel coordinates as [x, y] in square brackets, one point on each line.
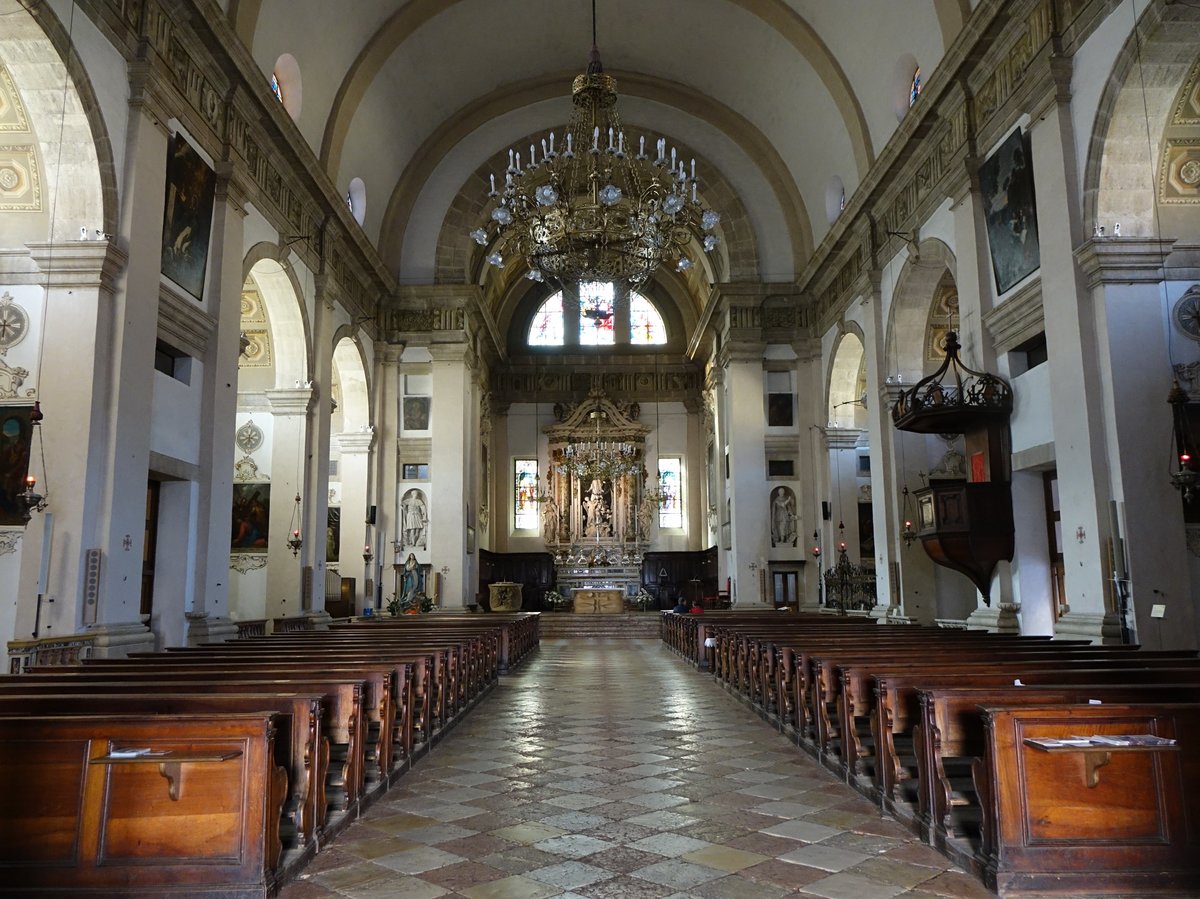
[613, 769]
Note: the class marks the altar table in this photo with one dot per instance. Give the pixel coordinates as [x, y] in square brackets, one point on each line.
[595, 600]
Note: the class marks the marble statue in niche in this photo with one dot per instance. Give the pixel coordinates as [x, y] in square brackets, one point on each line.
[414, 519]
[783, 517]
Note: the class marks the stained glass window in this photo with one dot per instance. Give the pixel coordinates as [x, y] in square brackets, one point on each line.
[596, 313]
[547, 326]
[915, 90]
[645, 324]
[525, 507]
[842, 201]
[670, 512]
[350, 202]
[275, 88]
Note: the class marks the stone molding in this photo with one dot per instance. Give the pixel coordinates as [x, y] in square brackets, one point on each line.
[1124, 260]
[116, 641]
[353, 443]
[842, 438]
[291, 400]
[1017, 319]
[1099, 628]
[182, 323]
[202, 629]
[85, 264]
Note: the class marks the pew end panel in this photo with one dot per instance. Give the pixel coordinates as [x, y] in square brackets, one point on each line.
[198, 819]
[1079, 823]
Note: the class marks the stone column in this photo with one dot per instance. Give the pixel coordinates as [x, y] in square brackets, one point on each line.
[289, 410]
[387, 428]
[452, 413]
[207, 608]
[316, 483]
[884, 454]
[746, 435]
[1124, 277]
[81, 280]
[1076, 393]
[356, 460]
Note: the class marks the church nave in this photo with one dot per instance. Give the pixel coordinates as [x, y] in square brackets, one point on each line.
[612, 769]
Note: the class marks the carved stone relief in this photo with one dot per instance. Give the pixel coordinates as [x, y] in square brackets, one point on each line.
[246, 469]
[20, 180]
[11, 379]
[9, 540]
[257, 352]
[243, 563]
[13, 118]
[249, 437]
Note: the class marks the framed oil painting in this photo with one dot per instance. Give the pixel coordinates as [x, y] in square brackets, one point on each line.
[16, 436]
[187, 217]
[416, 413]
[251, 518]
[333, 534]
[1006, 182]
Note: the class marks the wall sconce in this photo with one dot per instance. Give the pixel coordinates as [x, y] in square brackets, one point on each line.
[368, 555]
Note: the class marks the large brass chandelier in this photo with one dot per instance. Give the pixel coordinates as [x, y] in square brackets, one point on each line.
[598, 459]
[589, 208]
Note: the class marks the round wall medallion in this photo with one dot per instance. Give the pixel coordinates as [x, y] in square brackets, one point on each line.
[14, 323]
[1187, 313]
[249, 437]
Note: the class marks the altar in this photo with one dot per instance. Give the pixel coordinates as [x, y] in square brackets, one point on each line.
[598, 600]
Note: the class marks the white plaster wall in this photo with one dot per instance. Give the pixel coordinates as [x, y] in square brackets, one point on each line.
[10, 576]
[248, 594]
[175, 414]
[25, 354]
[1032, 422]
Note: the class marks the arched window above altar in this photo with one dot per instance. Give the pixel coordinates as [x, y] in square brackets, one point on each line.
[597, 314]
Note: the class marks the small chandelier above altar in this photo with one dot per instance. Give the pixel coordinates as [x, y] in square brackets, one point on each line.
[599, 459]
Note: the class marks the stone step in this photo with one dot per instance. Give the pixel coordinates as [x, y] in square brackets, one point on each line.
[629, 626]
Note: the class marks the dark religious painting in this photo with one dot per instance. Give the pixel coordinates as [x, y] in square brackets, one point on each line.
[333, 534]
[416, 413]
[187, 217]
[251, 517]
[779, 410]
[16, 436]
[866, 535]
[1006, 181]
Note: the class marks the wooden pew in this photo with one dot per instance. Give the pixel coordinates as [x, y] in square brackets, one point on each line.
[297, 725]
[1084, 822]
[202, 820]
[951, 738]
[340, 759]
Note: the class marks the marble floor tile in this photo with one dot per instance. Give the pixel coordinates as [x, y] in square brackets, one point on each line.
[574, 780]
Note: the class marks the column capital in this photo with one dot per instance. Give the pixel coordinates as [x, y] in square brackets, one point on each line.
[79, 263]
[147, 88]
[457, 351]
[356, 442]
[842, 438]
[232, 188]
[1124, 260]
[291, 400]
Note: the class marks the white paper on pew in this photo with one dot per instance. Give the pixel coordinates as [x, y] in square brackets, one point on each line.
[1017, 683]
[128, 753]
[710, 642]
[1095, 702]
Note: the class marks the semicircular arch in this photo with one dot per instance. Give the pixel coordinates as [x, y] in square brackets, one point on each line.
[748, 139]
[286, 313]
[908, 313]
[844, 389]
[350, 365]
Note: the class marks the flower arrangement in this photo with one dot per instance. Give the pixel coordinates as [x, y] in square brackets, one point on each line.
[555, 600]
[644, 600]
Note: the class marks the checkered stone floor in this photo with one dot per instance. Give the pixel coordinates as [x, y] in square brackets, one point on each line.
[612, 769]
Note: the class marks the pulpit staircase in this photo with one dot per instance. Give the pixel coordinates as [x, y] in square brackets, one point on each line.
[624, 626]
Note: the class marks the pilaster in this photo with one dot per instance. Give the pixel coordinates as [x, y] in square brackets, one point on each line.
[1076, 393]
[289, 409]
[356, 447]
[452, 437]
